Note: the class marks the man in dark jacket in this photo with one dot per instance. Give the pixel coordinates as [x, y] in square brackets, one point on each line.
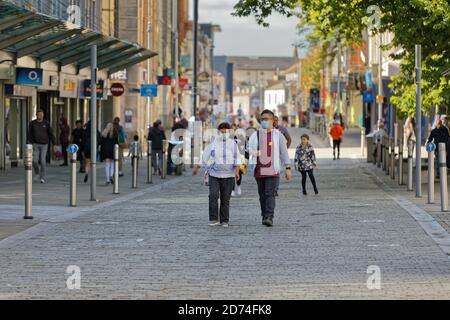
[78, 139]
[438, 135]
[156, 135]
[40, 134]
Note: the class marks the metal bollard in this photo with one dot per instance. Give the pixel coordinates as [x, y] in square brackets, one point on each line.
[388, 156]
[135, 161]
[430, 177]
[73, 180]
[410, 165]
[400, 163]
[363, 138]
[443, 176]
[116, 170]
[192, 152]
[164, 160]
[149, 163]
[392, 170]
[28, 162]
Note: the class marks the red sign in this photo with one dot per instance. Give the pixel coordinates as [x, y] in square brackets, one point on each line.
[164, 80]
[183, 82]
[117, 89]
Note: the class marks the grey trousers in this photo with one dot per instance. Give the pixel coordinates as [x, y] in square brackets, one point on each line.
[157, 165]
[39, 159]
[266, 189]
[220, 188]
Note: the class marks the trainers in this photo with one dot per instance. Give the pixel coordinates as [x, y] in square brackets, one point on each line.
[37, 178]
[42, 181]
[233, 194]
[108, 182]
[239, 191]
[268, 222]
[305, 193]
[214, 223]
[86, 178]
[316, 191]
[224, 224]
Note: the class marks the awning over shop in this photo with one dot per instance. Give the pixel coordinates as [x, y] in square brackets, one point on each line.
[27, 33]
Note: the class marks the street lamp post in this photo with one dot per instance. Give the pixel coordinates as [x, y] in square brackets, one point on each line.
[93, 172]
[195, 60]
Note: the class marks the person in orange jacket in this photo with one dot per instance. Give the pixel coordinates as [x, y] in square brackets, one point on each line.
[336, 133]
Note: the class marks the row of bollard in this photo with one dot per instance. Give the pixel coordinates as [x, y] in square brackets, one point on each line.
[28, 164]
[386, 159]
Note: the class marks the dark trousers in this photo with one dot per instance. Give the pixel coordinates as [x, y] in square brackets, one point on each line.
[266, 189]
[220, 188]
[337, 145]
[310, 173]
[64, 152]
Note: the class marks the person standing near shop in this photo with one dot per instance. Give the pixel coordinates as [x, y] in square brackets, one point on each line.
[78, 139]
[109, 140]
[64, 133]
[440, 134]
[269, 154]
[40, 134]
[122, 140]
[222, 162]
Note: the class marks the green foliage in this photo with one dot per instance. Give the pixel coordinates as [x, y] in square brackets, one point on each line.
[425, 22]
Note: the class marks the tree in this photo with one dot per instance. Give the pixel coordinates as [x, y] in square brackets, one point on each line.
[425, 22]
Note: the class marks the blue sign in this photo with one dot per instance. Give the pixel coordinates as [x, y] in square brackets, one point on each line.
[87, 88]
[29, 76]
[431, 147]
[149, 90]
[73, 148]
[368, 97]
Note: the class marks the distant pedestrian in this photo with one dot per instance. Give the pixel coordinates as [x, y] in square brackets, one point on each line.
[109, 140]
[135, 149]
[64, 139]
[221, 160]
[410, 132]
[440, 134]
[305, 158]
[269, 153]
[40, 134]
[122, 140]
[87, 148]
[237, 190]
[77, 138]
[156, 135]
[336, 134]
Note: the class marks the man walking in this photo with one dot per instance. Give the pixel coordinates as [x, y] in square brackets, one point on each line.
[285, 132]
[336, 133]
[269, 153]
[122, 139]
[156, 135]
[39, 135]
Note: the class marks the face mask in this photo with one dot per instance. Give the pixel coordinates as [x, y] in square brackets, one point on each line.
[265, 124]
[224, 136]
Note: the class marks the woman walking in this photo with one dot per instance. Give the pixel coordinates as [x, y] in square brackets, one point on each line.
[221, 160]
[109, 140]
[305, 158]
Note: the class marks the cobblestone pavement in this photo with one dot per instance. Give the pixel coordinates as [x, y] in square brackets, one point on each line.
[157, 245]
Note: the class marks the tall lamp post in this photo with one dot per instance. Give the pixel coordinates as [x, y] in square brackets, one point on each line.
[195, 60]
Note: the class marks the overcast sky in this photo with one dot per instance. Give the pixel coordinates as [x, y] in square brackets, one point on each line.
[242, 36]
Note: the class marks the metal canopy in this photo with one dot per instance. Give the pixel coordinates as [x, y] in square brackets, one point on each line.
[27, 33]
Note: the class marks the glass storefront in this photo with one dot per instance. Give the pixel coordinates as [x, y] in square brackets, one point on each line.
[16, 121]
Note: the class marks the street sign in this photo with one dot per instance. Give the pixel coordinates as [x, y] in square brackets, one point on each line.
[117, 89]
[73, 148]
[149, 90]
[431, 147]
